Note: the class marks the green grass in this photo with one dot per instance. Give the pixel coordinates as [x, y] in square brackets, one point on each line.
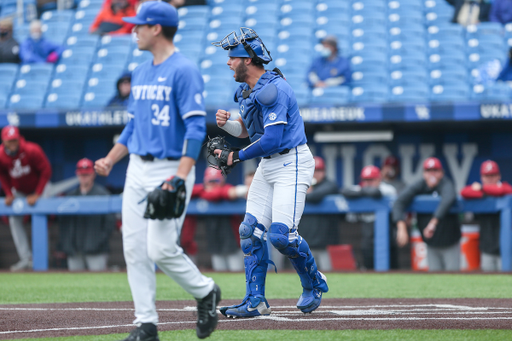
[71, 287]
[324, 335]
[94, 287]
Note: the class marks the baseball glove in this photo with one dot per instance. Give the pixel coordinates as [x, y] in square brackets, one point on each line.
[221, 162]
[164, 204]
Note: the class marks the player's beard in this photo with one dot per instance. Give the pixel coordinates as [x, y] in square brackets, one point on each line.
[241, 72]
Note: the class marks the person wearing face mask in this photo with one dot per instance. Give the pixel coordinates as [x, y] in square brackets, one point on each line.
[9, 48]
[440, 230]
[24, 173]
[37, 49]
[330, 69]
[110, 19]
[491, 185]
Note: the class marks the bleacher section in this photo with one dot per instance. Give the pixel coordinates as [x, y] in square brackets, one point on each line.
[400, 51]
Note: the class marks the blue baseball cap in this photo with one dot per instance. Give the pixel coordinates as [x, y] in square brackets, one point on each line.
[153, 13]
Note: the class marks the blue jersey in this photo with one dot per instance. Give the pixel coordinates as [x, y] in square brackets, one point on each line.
[326, 69]
[167, 109]
[272, 102]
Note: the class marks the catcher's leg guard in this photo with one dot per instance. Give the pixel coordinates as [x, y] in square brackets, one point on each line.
[292, 245]
[256, 260]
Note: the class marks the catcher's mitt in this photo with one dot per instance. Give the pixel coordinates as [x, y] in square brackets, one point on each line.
[165, 204]
[221, 162]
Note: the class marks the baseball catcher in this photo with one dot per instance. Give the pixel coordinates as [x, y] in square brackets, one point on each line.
[220, 161]
[166, 203]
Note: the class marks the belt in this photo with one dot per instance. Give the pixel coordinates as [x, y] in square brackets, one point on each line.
[286, 151]
[149, 157]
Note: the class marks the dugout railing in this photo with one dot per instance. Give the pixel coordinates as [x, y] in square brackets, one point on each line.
[334, 204]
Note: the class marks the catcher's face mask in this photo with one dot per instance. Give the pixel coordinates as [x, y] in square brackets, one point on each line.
[247, 45]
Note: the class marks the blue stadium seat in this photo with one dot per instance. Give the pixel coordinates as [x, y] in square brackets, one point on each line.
[64, 16]
[448, 77]
[494, 92]
[262, 24]
[30, 87]
[77, 56]
[218, 97]
[484, 29]
[452, 30]
[87, 41]
[199, 11]
[508, 31]
[406, 62]
[262, 8]
[8, 71]
[106, 72]
[402, 47]
[361, 78]
[291, 8]
[372, 46]
[332, 6]
[368, 34]
[404, 19]
[408, 77]
[225, 26]
[79, 29]
[409, 93]
[296, 81]
[330, 96]
[26, 101]
[71, 72]
[442, 93]
[233, 10]
[66, 86]
[90, 4]
[55, 31]
[371, 94]
[60, 101]
[407, 33]
[86, 16]
[438, 18]
[192, 24]
[445, 45]
[437, 61]
[488, 43]
[363, 7]
[405, 6]
[5, 87]
[116, 55]
[138, 56]
[368, 20]
[438, 6]
[368, 62]
[96, 100]
[116, 41]
[475, 60]
[36, 72]
[3, 100]
[293, 23]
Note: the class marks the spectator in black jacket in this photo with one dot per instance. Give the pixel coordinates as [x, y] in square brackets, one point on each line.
[85, 239]
[440, 230]
[371, 186]
[320, 230]
[122, 96]
[9, 48]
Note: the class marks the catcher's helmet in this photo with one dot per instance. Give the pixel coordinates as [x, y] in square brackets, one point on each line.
[246, 45]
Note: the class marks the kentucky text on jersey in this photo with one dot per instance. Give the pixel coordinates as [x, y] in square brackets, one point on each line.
[152, 92]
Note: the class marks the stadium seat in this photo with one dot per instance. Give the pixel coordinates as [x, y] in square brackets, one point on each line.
[57, 101]
[187, 12]
[30, 87]
[64, 16]
[8, 71]
[106, 72]
[373, 46]
[404, 19]
[402, 47]
[233, 10]
[494, 92]
[438, 18]
[138, 56]
[77, 56]
[375, 20]
[360, 78]
[86, 16]
[488, 43]
[448, 76]
[373, 94]
[407, 62]
[5, 87]
[407, 33]
[408, 77]
[71, 72]
[438, 6]
[442, 93]
[26, 101]
[3, 101]
[447, 30]
[484, 29]
[90, 4]
[293, 23]
[476, 60]
[409, 93]
[55, 31]
[218, 97]
[191, 24]
[330, 96]
[87, 41]
[436, 60]
[404, 6]
[302, 95]
[66, 87]
[117, 55]
[36, 72]
[368, 34]
[117, 41]
[96, 100]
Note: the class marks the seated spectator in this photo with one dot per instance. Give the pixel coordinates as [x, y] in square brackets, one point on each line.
[330, 69]
[37, 49]
[391, 172]
[372, 186]
[123, 91]
[471, 12]
[222, 231]
[9, 48]
[110, 19]
[506, 73]
[85, 238]
[501, 11]
[320, 230]
[440, 230]
[491, 185]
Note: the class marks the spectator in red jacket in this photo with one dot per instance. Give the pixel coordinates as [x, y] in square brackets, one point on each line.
[110, 19]
[221, 231]
[24, 172]
[491, 185]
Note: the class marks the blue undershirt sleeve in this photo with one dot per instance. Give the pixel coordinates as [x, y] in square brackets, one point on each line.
[268, 144]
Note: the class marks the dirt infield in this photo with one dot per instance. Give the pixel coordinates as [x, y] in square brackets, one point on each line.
[51, 320]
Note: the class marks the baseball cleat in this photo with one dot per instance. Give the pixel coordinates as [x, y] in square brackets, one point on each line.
[252, 307]
[207, 317]
[139, 334]
[310, 299]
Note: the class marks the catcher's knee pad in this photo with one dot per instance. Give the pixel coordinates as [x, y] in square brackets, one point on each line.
[256, 257]
[283, 241]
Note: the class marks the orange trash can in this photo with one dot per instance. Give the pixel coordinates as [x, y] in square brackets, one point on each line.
[418, 252]
[470, 248]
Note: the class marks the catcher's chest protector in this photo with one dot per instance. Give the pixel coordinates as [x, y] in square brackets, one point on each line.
[250, 110]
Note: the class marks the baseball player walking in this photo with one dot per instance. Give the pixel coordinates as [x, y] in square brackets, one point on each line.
[270, 118]
[163, 139]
